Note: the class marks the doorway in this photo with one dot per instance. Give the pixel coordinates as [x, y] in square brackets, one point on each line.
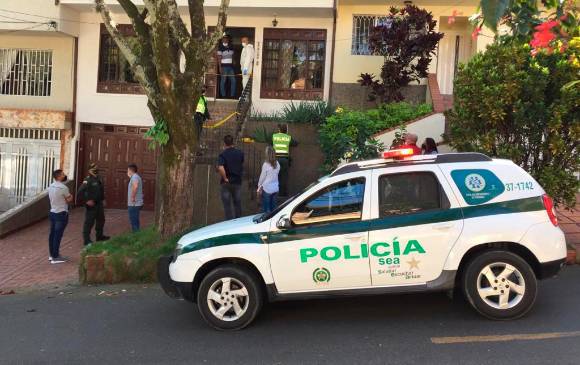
[213, 80]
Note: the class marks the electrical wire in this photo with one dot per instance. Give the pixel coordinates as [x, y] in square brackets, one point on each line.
[23, 29]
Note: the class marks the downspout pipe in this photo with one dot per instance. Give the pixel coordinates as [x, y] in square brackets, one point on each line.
[333, 47]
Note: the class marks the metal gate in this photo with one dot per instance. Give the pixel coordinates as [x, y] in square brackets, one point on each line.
[27, 159]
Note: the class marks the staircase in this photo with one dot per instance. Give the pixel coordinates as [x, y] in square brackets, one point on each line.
[214, 131]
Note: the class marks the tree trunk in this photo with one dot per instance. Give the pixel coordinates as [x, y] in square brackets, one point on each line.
[176, 165]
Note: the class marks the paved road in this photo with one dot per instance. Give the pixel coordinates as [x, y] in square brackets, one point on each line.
[141, 326]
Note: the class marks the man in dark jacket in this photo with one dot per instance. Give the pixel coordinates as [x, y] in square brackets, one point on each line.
[92, 192]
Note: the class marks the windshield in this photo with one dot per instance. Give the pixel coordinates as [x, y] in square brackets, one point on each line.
[265, 216]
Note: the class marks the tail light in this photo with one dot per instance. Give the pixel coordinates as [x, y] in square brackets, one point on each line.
[549, 205]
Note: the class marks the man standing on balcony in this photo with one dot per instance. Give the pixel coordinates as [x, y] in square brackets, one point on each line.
[92, 192]
[246, 60]
[225, 55]
[60, 198]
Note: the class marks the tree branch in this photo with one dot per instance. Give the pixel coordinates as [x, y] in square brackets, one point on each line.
[197, 19]
[119, 39]
[178, 27]
[141, 72]
[220, 27]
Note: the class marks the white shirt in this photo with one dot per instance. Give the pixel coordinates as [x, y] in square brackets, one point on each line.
[247, 58]
[269, 178]
[57, 193]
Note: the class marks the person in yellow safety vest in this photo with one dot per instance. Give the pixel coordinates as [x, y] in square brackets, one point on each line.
[281, 142]
[201, 113]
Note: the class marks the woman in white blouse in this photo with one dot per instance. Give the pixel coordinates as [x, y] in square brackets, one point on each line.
[268, 183]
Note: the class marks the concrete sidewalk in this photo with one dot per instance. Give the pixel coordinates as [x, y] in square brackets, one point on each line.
[24, 260]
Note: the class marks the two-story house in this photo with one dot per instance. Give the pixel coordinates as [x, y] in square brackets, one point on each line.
[37, 73]
[78, 85]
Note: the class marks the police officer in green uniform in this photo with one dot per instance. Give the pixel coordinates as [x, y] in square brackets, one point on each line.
[281, 142]
[201, 113]
[92, 192]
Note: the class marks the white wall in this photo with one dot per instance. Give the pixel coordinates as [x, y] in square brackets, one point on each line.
[93, 107]
[61, 95]
[431, 126]
[348, 67]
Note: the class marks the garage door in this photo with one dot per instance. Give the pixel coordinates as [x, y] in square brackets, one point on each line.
[112, 148]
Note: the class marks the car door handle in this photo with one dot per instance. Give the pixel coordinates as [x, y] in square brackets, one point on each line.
[354, 236]
[442, 226]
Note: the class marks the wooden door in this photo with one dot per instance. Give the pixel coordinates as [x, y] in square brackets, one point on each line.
[112, 148]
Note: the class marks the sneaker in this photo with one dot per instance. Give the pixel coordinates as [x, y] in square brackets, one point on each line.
[49, 258]
[103, 238]
[58, 260]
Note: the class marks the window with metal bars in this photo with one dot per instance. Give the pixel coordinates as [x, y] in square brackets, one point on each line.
[293, 63]
[26, 72]
[362, 26]
[112, 64]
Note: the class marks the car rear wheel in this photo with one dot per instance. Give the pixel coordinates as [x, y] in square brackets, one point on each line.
[229, 297]
[500, 285]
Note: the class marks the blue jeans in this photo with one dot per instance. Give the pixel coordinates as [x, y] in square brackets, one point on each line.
[268, 202]
[134, 217]
[58, 222]
[227, 73]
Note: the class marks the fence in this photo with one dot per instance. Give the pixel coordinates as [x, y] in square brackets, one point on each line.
[27, 159]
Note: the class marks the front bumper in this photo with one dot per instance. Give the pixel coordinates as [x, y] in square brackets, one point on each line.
[169, 286]
[551, 268]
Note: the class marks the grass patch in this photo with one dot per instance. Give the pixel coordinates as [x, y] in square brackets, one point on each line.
[129, 257]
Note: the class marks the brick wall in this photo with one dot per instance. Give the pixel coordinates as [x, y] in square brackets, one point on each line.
[355, 96]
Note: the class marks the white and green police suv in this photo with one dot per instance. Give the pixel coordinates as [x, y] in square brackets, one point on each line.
[391, 225]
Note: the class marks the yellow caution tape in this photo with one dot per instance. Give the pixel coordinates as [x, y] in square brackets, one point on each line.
[219, 123]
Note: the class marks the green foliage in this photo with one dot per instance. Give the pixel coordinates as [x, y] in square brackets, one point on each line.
[261, 135]
[512, 105]
[132, 257]
[313, 112]
[347, 135]
[159, 134]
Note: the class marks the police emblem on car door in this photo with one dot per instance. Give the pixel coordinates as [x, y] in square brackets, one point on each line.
[325, 246]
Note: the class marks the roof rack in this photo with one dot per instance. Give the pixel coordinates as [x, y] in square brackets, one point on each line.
[415, 160]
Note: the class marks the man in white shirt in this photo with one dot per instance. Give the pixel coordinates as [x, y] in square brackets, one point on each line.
[246, 60]
[60, 197]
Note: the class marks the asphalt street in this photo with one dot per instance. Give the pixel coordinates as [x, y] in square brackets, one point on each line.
[138, 324]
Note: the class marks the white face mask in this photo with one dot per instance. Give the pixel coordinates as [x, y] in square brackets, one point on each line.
[225, 44]
[244, 44]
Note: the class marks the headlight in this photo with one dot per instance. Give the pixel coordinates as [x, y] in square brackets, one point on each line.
[176, 253]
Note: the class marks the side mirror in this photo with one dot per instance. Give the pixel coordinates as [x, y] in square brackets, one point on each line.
[284, 223]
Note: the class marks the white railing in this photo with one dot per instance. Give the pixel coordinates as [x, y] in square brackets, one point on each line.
[27, 160]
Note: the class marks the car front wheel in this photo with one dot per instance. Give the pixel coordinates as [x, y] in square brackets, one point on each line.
[229, 297]
[500, 285]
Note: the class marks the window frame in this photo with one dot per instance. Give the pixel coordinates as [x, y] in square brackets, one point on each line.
[320, 191]
[295, 35]
[115, 86]
[29, 79]
[444, 201]
[355, 36]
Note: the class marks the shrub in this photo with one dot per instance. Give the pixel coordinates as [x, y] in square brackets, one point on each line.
[313, 112]
[347, 135]
[510, 104]
[407, 41]
[130, 257]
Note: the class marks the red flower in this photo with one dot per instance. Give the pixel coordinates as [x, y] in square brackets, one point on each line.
[544, 35]
[475, 32]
